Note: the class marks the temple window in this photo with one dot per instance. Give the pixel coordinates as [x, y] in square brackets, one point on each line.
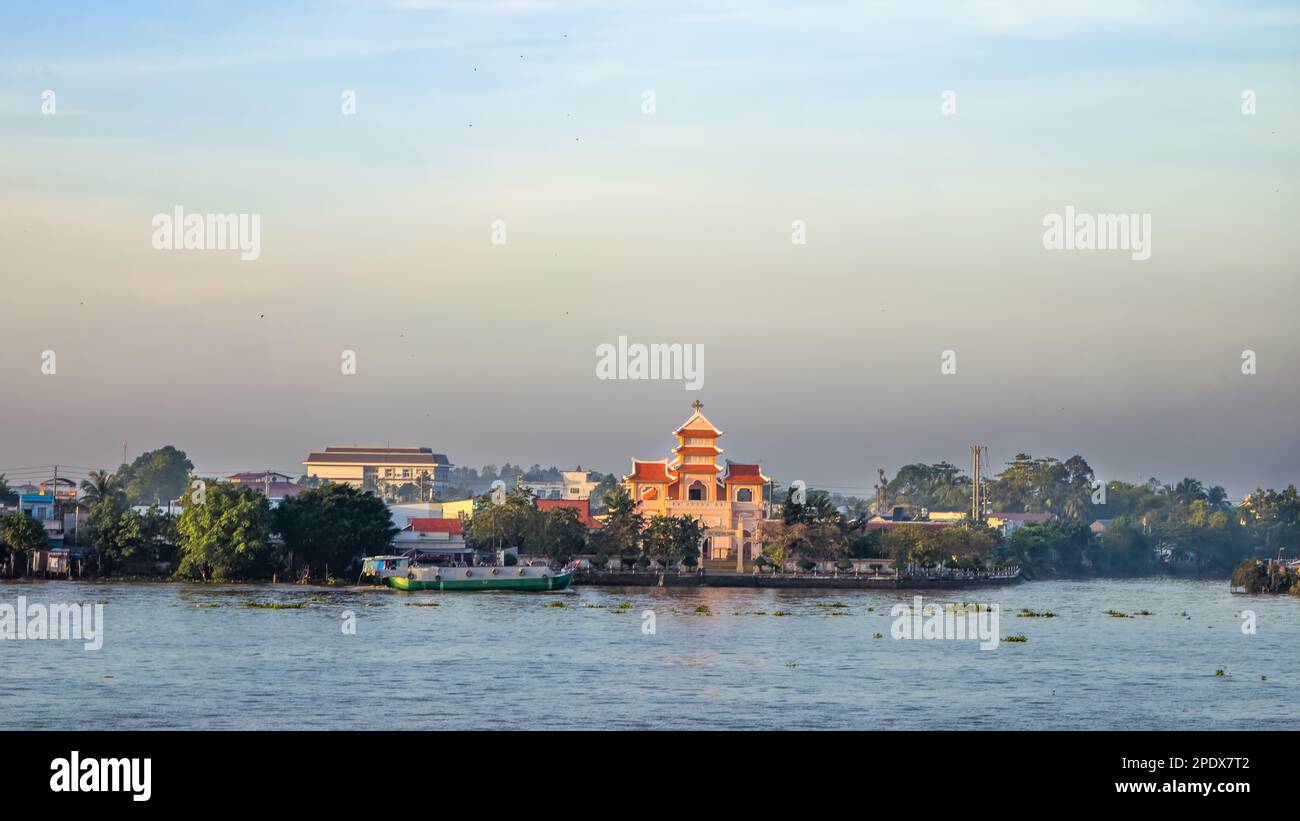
[744, 495]
[697, 492]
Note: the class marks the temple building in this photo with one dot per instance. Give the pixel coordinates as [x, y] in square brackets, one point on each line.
[727, 500]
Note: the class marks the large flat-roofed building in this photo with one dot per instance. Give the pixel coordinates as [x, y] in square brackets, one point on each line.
[416, 474]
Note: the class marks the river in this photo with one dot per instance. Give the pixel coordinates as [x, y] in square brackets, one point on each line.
[197, 656]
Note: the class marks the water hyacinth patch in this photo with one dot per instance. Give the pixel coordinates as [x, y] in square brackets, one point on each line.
[1026, 613]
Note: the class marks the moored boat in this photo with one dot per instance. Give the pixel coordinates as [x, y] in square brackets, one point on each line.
[532, 579]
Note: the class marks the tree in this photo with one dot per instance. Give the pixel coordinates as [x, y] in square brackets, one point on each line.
[112, 531]
[21, 534]
[156, 476]
[658, 539]
[1125, 549]
[7, 496]
[329, 526]
[100, 485]
[940, 486]
[514, 522]
[563, 535]
[688, 534]
[673, 540]
[226, 535]
[621, 535]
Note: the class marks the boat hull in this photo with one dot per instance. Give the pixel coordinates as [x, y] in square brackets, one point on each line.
[485, 581]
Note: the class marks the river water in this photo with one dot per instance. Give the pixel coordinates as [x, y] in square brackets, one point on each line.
[192, 656]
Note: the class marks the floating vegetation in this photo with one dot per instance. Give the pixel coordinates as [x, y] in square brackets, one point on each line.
[623, 605]
[759, 613]
[871, 609]
[1019, 638]
[207, 604]
[779, 613]
[275, 605]
[1183, 615]
[877, 635]
[1026, 613]
[966, 607]
[791, 665]
[374, 604]
[594, 606]
[839, 614]
[1118, 615]
[1220, 673]
[421, 604]
[1263, 678]
[834, 605]
[704, 610]
[1144, 613]
[555, 604]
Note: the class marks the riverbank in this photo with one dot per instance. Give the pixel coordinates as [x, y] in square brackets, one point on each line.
[788, 581]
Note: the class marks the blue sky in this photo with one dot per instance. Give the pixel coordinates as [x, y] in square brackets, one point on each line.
[823, 359]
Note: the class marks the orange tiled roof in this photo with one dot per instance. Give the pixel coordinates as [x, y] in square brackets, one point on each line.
[431, 525]
[738, 472]
[649, 471]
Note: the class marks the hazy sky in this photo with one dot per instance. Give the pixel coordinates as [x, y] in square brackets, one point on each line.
[924, 232]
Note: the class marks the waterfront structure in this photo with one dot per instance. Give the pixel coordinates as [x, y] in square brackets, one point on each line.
[727, 500]
[384, 471]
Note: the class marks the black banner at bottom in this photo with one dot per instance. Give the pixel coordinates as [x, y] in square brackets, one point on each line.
[146, 771]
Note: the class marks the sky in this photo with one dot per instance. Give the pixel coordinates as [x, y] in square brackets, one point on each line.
[919, 145]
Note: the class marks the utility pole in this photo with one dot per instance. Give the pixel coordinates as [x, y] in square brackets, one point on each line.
[979, 453]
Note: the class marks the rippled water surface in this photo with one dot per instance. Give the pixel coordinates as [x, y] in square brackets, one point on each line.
[182, 656]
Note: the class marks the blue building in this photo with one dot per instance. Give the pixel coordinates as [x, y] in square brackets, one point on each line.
[41, 508]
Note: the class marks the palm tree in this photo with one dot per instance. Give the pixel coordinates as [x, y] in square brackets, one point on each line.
[100, 485]
[1188, 491]
[1217, 498]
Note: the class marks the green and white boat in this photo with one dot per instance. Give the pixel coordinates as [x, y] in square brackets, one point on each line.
[530, 579]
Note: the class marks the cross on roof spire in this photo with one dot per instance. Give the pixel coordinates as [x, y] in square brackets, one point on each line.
[697, 404]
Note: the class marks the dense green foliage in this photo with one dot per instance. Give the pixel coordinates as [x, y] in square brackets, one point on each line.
[21, 534]
[1255, 576]
[7, 495]
[328, 527]
[225, 533]
[965, 546]
[156, 476]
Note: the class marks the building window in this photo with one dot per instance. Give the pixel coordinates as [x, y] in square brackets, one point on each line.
[697, 492]
[650, 494]
[744, 495]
